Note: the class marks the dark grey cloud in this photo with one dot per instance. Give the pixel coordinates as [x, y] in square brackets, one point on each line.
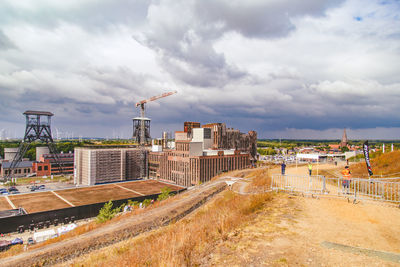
[185, 41]
[5, 42]
[259, 19]
[272, 66]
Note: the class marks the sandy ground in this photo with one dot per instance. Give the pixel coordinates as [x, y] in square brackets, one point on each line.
[294, 231]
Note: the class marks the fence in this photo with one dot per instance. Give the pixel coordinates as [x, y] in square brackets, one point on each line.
[384, 189]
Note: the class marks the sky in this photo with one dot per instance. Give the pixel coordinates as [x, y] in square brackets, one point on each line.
[287, 69]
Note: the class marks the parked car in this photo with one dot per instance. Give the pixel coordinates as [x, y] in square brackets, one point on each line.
[31, 241]
[41, 187]
[3, 190]
[5, 193]
[12, 188]
[4, 245]
[15, 192]
[17, 241]
[34, 187]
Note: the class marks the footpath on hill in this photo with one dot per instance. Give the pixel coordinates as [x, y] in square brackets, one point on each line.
[306, 231]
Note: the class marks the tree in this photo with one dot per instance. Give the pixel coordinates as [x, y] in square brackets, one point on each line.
[107, 212]
[344, 149]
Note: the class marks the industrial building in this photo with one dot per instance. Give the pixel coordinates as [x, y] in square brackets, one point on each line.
[23, 169]
[95, 165]
[202, 153]
[47, 165]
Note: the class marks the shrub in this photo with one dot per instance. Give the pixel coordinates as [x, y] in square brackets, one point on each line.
[165, 193]
[146, 202]
[133, 203]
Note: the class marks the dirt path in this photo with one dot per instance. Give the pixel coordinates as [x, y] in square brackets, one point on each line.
[294, 231]
[306, 231]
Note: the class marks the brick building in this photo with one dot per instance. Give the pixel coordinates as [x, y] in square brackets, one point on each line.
[47, 165]
[95, 165]
[202, 153]
[23, 169]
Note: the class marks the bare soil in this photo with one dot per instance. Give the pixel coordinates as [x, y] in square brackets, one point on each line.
[43, 201]
[89, 195]
[37, 202]
[4, 205]
[149, 187]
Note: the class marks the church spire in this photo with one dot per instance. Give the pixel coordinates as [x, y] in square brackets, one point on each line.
[344, 141]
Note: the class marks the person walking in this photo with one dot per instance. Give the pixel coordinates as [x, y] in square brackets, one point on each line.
[346, 179]
[310, 168]
[283, 168]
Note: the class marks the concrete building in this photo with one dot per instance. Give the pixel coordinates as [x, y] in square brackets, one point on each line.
[40, 151]
[9, 153]
[95, 165]
[198, 156]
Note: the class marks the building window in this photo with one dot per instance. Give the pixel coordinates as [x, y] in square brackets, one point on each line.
[24, 170]
[46, 168]
[39, 168]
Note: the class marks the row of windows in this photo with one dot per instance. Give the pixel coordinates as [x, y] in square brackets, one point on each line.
[17, 171]
[45, 168]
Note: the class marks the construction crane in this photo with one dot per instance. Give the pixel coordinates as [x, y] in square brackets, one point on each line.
[142, 112]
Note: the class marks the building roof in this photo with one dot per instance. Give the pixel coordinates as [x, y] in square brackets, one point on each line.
[32, 112]
[140, 118]
[60, 155]
[22, 164]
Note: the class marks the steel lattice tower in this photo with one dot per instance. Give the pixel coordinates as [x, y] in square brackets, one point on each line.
[38, 127]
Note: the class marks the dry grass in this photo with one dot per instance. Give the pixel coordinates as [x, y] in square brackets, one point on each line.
[14, 250]
[260, 179]
[382, 164]
[186, 242]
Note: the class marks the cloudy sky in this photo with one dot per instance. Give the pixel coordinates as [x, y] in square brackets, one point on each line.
[287, 69]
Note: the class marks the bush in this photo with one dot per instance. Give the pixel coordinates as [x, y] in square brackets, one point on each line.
[133, 203]
[107, 212]
[165, 193]
[146, 202]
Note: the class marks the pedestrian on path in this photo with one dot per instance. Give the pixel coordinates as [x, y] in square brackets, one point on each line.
[283, 167]
[310, 168]
[346, 179]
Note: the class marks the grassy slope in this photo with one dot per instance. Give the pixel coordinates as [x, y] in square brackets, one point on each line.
[382, 164]
[188, 241]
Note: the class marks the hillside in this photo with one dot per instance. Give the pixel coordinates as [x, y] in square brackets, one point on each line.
[244, 226]
[264, 229]
[387, 164]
